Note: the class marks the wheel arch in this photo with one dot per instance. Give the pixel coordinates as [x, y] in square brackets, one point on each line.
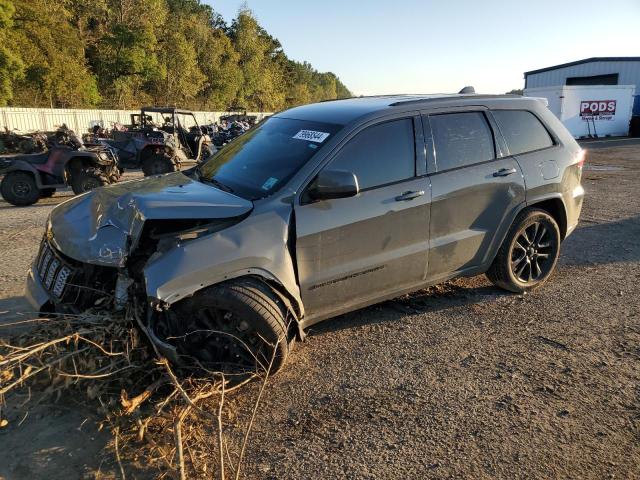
[292, 303]
[21, 166]
[151, 148]
[555, 207]
[77, 162]
[552, 204]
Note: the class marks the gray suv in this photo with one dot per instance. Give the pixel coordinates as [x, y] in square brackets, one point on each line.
[320, 210]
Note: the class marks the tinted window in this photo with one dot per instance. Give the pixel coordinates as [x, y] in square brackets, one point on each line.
[262, 160]
[461, 139]
[522, 131]
[381, 154]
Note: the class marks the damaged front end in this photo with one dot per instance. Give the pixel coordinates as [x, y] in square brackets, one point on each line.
[151, 243]
[96, 245]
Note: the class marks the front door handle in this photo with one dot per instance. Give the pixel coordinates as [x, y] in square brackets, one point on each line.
[503, 172]
[409, 196]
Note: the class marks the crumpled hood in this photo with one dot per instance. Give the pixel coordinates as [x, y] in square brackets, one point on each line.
[103, 226]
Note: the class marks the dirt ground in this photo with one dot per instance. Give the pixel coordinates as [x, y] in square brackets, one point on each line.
[461, 380]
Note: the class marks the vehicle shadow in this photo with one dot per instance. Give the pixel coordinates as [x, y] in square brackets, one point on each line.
[451, 294]
[603, 243]
[43, 202]
[8, 206]
[13, 312]
[591, 244]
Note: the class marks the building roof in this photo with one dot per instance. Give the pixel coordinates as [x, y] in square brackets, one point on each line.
[586, 60]
[344, 111]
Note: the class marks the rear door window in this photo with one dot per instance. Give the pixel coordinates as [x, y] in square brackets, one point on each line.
[379, 155]
[461, 139]
[522, 131]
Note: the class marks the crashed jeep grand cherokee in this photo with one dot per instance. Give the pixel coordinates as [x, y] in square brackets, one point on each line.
[320, 210]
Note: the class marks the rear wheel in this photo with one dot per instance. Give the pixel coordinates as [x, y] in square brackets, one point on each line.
[19, 189]
[157, 164]
[237, 326]
[87, 179]
[528, 254]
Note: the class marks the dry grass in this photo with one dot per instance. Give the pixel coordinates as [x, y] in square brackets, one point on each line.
[172, 422]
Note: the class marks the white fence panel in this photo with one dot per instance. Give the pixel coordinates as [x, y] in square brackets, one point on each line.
[31, 119]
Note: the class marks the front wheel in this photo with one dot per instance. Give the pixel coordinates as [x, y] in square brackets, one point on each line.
[237, 326]
[157, 164]
[86, 180]
[529, 253]
[19, 189]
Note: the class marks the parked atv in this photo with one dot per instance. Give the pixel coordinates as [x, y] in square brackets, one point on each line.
[13, 142]
[162, 146]
[29, 177]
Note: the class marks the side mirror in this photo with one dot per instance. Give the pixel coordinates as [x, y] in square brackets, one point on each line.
[333, 184]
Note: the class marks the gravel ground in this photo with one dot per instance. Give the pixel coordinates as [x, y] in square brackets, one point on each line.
[460, 380]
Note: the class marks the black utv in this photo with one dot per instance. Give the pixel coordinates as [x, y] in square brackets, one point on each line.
[160, 139]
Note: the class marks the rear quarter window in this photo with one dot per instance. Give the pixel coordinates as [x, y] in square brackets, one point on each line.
[522, 131]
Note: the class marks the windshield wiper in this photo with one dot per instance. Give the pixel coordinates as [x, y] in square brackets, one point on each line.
[218, 184]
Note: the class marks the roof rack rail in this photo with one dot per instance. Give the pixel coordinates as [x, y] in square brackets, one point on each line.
[450, 97]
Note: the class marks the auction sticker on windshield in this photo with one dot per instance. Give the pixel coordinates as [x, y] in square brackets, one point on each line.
[311, 136]
[270, 182]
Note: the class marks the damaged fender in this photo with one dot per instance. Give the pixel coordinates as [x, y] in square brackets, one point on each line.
[256, 246]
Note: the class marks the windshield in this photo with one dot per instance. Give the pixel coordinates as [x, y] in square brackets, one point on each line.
[259, 162]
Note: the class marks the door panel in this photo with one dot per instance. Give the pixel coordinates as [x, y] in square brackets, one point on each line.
[353, 249]
[469, 206]
[474, 194]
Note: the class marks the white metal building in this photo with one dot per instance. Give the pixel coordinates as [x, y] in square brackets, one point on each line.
[588, 83]
[590, 71]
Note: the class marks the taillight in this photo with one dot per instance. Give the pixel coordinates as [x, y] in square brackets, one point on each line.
[581, 158]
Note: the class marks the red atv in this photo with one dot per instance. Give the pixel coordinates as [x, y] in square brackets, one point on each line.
[29, 177]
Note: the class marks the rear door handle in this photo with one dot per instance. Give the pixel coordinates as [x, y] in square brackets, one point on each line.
[503, 172]
[409, 196]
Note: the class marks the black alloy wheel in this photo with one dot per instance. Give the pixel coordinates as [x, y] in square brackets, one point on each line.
[533, 252]
[238, 326]
[528, 254]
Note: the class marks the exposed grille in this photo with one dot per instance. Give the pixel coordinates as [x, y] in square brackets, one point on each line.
[53, 271]
[73, 286]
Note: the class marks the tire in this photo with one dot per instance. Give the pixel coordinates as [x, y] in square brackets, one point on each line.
[250, 325]
[86, 180]
[47, 192]
[529, 253]
[157, 164]
[19, 189]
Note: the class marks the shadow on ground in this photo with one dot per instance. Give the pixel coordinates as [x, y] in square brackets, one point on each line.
[12, 310]
[592, 244]
[603, 243]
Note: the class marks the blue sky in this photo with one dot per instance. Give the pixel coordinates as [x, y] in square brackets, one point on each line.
[413, 46]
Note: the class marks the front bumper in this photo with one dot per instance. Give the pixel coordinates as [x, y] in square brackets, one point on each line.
[36, 294]
[56, 283]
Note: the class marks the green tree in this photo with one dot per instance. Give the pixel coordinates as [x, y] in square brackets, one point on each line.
[213, 72]
[262, 85]
[126, 57]
[11, 66]
[56, 73]
[126, 53]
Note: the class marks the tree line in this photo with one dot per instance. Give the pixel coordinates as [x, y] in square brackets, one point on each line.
[127, 53]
